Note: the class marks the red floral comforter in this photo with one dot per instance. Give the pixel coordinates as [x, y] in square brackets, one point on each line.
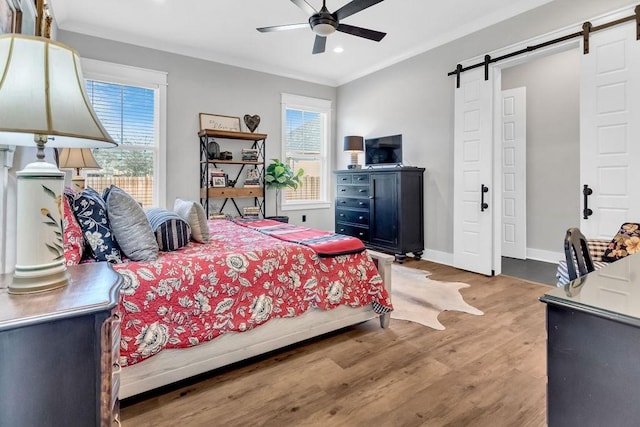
[237, 281]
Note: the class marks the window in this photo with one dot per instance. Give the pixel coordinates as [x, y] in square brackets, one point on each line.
[305, 128]
[130, 103]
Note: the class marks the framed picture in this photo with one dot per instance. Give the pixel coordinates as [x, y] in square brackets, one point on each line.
[218, 122]
[253, 174]
[218, 181]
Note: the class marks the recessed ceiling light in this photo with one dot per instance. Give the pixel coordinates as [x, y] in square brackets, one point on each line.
[338, 49]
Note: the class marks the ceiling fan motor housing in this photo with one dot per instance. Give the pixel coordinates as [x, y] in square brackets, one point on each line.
[323, 23]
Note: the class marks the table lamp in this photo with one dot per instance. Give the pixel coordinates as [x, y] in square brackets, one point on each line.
[43, 103]
[77, 158]
[354, 145]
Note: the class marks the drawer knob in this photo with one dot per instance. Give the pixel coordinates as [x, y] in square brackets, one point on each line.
[343, 189]
[361, 203]
[360, 217]
[341, 214]
[343, 201]
[342, 229]
[362, 190]
[360, 234]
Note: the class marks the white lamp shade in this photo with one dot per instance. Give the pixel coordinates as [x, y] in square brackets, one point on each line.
[42, 93]
[77, 158]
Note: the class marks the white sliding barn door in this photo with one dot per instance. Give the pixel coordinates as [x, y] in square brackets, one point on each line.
[610, 130]
[514, 173]
[473, 142]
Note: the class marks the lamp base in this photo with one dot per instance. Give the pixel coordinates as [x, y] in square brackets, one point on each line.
[39, 248]
[29, 285]
[77, 183]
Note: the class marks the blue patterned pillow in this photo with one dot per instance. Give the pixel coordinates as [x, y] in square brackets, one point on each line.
[172, 232]
[91, 212]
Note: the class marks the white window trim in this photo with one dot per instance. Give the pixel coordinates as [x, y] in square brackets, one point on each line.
[290, 101]
[133, 76]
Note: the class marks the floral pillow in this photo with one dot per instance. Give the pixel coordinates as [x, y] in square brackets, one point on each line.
[72, 235]
[626, 242]
[91, 212]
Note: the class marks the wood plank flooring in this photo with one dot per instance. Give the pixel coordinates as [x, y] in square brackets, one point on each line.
[481, 371]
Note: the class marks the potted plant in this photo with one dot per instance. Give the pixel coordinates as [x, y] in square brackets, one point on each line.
[278, 176]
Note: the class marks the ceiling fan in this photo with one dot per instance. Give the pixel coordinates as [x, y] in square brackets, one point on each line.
[324, 23]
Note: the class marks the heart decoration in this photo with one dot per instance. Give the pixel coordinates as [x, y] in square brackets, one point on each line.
[252, 122]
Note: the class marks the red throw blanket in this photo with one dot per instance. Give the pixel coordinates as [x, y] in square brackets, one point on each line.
[325, 243]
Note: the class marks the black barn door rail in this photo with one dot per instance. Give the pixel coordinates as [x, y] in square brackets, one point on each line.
[587, 29]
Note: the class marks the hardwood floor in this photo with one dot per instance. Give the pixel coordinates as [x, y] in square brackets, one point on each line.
[481, 371]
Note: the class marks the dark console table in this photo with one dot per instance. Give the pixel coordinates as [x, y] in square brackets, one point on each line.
[383, 207]
[593, 348]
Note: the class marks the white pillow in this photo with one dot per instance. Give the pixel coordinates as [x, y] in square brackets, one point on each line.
[194, 214]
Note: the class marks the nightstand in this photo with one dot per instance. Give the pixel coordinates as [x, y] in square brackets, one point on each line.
[59, 352]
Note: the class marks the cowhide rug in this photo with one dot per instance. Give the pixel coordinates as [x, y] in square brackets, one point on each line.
[419, 299]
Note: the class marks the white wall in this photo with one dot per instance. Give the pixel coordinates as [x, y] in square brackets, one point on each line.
[415, 98]
[197, 86]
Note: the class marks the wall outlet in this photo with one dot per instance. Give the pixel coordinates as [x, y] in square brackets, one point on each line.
[304, 218]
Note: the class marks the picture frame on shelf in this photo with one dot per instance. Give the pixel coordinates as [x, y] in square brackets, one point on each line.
[218, 181]
[219, 122]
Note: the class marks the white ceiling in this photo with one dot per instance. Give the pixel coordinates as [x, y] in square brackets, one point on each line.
[225, 31]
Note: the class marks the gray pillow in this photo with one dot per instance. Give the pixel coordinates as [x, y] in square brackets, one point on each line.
[194, 214]
[130, 226]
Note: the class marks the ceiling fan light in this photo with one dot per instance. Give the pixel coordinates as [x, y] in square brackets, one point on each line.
[324, 29]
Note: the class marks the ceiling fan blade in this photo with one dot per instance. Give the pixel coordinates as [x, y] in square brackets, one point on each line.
[354, 7]
[361, 32]
[283, 27]
[320, 44]
[302, 4]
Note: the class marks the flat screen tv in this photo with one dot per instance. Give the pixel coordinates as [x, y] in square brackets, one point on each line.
[385, 150]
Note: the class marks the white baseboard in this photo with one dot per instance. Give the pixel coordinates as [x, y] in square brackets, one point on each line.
[440, 257]
[543, 255]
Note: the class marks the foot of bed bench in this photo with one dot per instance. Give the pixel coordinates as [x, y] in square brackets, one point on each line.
[384, 320]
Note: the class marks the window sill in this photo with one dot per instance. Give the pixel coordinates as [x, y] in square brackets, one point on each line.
[306, 206]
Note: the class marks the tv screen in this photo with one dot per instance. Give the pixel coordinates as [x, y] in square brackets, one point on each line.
[386, 150]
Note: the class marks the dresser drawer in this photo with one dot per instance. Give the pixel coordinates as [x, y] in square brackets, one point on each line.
[358, 217]
[346, 202]
[361, 233]
[345, 179]
[353, 178]
[353, 190]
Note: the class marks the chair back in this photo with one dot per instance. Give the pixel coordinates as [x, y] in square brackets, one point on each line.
[577, 254]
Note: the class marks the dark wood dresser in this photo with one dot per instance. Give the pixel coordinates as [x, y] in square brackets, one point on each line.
[593, 348]
[384, 207]
[59, 352]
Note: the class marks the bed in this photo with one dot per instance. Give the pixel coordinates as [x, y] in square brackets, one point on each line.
[242, 294]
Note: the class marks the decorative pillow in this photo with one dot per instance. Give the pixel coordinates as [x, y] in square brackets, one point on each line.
[72, 235]
[172, 232]
[194, 214]
[626, 242]
[91, 212]
[130, 226]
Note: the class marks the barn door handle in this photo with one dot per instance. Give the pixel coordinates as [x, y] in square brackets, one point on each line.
[586, 192]
[483, 205]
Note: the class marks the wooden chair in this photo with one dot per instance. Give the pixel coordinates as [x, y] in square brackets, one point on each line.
[577, 254]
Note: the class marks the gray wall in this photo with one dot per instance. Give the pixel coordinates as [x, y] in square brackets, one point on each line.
[415, 98]
[197, 86]
[553, 145]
